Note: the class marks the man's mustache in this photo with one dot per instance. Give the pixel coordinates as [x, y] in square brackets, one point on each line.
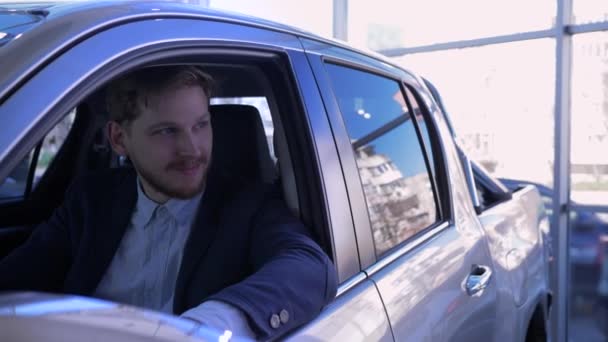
[184, 163]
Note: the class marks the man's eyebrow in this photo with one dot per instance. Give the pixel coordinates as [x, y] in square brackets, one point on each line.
[161, 124]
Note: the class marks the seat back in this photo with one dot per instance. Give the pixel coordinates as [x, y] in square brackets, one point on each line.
[240, 147]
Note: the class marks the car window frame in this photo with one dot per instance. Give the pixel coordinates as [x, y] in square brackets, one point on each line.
[81, 82]
[358, 201]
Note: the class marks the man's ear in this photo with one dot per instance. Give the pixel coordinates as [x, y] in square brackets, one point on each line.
[116, 134]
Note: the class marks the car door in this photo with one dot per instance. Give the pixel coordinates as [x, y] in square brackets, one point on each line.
[357, 314]
[418, 236]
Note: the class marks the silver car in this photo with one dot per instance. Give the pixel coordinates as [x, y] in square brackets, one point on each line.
[427, 246]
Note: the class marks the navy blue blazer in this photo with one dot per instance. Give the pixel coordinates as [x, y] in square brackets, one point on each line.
[244, 249]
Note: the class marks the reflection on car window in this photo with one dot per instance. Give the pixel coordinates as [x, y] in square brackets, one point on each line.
[12, 19]
[15, 186]
[391, 164]
[262, 106]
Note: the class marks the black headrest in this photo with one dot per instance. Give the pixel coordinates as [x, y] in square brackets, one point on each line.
[240, 148]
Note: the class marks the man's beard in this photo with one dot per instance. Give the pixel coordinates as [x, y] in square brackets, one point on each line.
[158, 184]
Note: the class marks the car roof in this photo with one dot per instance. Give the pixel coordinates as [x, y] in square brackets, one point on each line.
[57, 26]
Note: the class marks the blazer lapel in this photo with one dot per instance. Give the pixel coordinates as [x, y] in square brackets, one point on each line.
[202, 234]
[106, 231]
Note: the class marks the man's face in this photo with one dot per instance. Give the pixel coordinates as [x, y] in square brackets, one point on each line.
[170, 143]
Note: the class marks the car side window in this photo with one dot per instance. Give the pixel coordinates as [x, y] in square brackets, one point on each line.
[391, 163]
[24, 178]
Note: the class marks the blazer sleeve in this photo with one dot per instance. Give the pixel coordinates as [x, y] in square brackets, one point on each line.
[294, 278]
[41, 263]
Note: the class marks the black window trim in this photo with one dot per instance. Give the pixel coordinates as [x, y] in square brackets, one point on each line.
[32, 170]
[438, 170]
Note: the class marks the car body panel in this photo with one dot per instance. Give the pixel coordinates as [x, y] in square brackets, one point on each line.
[53, 315]
[514, 233]
[356, 315]
[585, 245]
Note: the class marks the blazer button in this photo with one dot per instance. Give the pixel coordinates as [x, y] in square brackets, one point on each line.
[284, 315]
[275, 321]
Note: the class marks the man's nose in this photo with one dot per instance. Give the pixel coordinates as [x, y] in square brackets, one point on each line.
[187, 145]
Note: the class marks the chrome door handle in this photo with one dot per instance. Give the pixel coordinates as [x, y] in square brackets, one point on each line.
[478, 280]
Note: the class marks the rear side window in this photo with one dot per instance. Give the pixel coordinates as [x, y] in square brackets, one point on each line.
[392, 166]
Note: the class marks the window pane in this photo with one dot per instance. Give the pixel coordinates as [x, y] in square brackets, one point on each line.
[367, 101]
[404, 23]
[589, 156]
[500, 100]
[391, 164]
[589, 11]
[588, 276]
[589, 185]
[315, 16]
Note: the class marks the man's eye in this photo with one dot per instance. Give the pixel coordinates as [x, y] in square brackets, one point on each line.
[202, 124]
[165, 131]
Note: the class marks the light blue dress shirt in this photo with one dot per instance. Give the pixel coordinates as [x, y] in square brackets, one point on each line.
[144, 269]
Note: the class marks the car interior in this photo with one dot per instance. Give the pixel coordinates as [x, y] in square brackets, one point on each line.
[244, 146]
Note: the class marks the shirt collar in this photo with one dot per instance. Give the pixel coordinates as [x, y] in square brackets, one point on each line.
[182, 210]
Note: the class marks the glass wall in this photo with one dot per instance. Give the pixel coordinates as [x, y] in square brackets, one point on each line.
[315, 16]
[500, 90]
[500, 99]
[589, 11]
[589, 146]
[387, 24]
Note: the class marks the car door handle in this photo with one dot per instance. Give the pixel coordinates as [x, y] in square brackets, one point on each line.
[478, 280]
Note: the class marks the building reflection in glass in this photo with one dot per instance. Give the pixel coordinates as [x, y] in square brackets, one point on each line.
[398, 206]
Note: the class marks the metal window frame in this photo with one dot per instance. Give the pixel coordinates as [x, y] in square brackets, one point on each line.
[340, 19]
[562, 32]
